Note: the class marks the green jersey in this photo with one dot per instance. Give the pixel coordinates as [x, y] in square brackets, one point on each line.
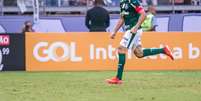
[129, 10]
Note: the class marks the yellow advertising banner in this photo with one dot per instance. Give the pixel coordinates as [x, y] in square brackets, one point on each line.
[83, 51]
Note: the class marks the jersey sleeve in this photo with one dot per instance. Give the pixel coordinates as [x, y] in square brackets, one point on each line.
[136, 5]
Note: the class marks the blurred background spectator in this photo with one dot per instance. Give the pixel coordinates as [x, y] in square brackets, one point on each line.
[10, 2]
[150, 22]
[52, 3]
[97, 18]
[149, 2]
[27, 27]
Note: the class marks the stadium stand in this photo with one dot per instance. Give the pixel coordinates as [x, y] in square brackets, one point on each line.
[81, 6]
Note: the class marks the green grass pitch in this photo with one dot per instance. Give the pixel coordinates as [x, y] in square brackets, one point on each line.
[90, 86]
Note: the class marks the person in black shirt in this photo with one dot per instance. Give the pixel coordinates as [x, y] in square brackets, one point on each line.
[97, 18]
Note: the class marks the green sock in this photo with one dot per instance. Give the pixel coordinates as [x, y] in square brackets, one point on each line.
[152, 51]
[122, 59]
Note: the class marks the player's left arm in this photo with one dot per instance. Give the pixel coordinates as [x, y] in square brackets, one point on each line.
[139, 9]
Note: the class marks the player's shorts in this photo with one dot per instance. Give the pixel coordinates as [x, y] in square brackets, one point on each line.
[131, 41]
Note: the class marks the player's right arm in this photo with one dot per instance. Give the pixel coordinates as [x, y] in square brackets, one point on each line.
[117, 27]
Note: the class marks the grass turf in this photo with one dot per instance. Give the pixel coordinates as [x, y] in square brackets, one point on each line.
[90, 86]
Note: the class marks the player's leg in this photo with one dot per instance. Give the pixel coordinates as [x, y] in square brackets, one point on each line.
[140, 53]
[125, 44]
[121, 62]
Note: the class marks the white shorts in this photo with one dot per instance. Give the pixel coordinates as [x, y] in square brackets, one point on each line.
[131, 41]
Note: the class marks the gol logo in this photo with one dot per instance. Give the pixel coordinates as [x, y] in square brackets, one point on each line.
[44, 52]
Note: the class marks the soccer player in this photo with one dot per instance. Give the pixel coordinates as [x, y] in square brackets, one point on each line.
[132, 16]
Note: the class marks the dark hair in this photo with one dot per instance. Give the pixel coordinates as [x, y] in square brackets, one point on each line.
[27, 28]
[26, 22]
[98, 2]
